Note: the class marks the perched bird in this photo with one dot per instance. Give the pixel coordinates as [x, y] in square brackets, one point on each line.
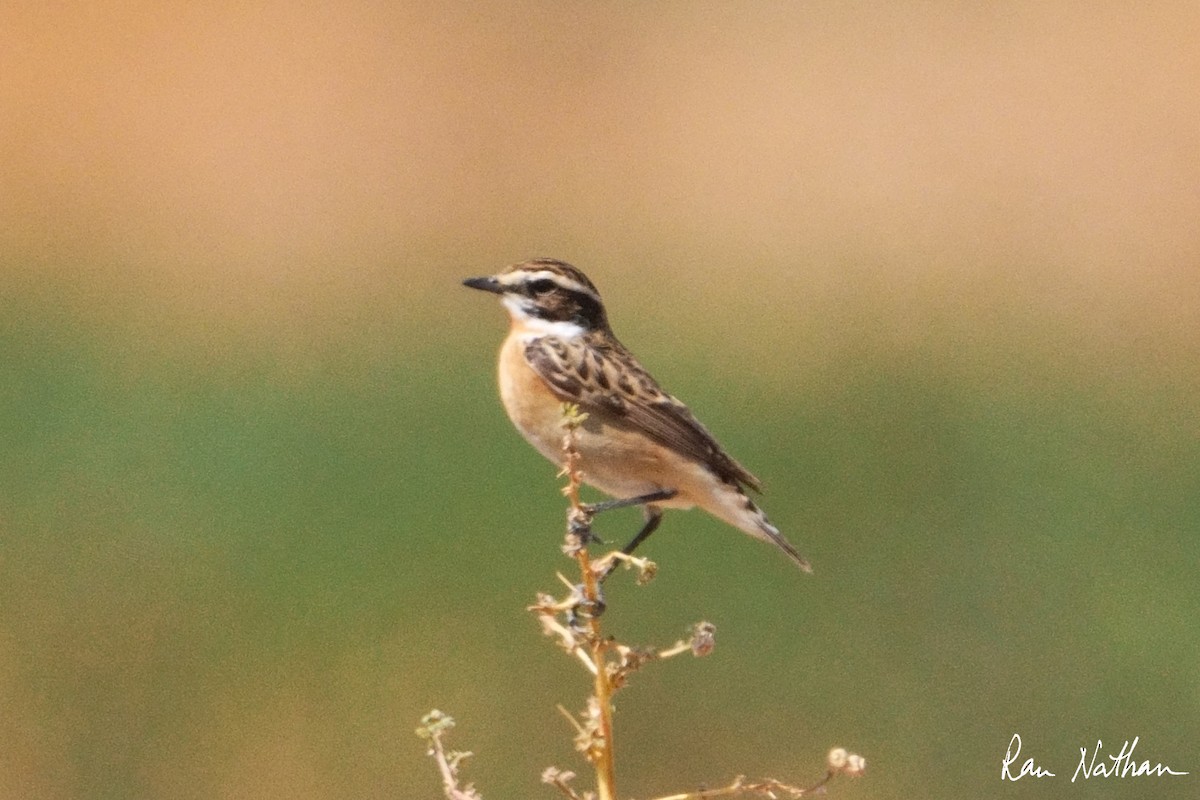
[637, 441]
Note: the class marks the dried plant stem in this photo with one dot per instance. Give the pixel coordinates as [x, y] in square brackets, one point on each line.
[449, 779]
[575, 622]
[434, 726]
[605, 770]
[579, 522]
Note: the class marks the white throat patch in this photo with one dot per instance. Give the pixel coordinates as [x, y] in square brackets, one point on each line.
[533, 326]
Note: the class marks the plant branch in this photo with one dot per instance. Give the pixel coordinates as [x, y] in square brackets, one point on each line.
[434, 726]
[579, 526]
[574, 622]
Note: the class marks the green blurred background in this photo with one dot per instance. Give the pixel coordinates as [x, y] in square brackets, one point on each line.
[932, 270]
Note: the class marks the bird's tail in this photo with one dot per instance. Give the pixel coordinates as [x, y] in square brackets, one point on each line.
[772, 534]
[740, 511]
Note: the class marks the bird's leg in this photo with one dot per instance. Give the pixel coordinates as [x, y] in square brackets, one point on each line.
[654, 516]
[586, 511]
[643, 499]
[579, 518]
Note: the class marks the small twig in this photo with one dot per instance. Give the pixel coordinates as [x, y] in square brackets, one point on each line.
[700, 643]
[561, 779]
[838, 762]
[769, 787]
[434, 725]
[579, 729]
[572, 419]
[646, 568]
[569, 639]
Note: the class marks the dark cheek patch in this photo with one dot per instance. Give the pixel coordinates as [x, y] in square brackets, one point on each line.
[564, 305]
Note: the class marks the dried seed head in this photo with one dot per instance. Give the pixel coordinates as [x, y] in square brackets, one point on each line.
[703, 638]
[841, 761]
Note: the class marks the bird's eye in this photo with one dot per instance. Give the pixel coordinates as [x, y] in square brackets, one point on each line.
[541, 286]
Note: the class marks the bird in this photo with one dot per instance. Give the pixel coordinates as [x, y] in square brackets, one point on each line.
[636, 442]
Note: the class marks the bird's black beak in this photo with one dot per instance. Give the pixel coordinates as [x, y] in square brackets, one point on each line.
[487, 284]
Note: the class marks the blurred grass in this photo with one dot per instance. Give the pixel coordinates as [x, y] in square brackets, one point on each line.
[249, 574]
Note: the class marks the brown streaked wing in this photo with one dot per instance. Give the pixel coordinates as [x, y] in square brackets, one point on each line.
[604, 375]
